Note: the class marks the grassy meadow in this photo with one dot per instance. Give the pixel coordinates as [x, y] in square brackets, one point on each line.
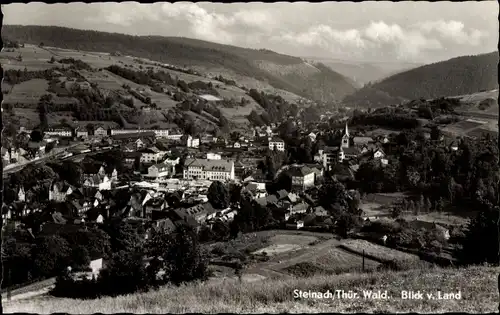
[478, 287]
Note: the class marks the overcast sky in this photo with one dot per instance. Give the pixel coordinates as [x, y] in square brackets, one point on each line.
[378, 31]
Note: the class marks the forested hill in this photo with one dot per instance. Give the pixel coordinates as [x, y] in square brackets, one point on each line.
[280, 71]
[457, 76]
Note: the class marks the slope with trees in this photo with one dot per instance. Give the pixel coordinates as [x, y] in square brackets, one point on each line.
[457, 76]
[191, 52]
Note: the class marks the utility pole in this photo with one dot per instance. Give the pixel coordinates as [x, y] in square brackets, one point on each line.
[363, 260]
[9, 292]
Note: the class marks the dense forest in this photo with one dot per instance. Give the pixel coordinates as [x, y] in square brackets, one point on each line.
[189, 52]
[457, 76]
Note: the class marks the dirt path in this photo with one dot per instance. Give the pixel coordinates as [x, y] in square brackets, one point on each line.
[27, 295]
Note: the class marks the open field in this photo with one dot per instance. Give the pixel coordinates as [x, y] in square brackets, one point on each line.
[380, 252]
[443, 218]
[340, 260]
[379, 204]
[478, 132]
[473, 100]
[477, 285]
[381, 132]
[285, 243]
[474, 126]
[465, 124]
[33, 58]
[29, 117]
[28, 92]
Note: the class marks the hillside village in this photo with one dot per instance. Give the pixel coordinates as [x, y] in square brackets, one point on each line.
[112, 160]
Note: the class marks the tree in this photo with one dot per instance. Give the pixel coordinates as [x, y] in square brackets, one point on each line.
[50, 255]
[235, 193]
[182, 256]
[36, 135]
[346, 222]
[396, 211]
[427, 205]
[331, 193]
[125, 273]
[218, 195]
[481, 239]
[123, 235]
[95, 241]
[435, 133]
[18, 263]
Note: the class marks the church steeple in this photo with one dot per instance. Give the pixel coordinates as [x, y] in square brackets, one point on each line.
[345, 137]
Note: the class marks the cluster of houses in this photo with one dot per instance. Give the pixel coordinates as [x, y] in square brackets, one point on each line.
[352, 150]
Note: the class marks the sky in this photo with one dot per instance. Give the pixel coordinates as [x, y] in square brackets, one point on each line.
[413, 31]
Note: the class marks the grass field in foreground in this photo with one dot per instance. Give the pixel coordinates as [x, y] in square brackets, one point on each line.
[478, 286]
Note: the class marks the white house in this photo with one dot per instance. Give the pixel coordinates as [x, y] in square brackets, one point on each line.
[192, 142]
[82, 133]
[151, 155]
[96, 265]
[100, 219]
[302, 177]
[105, 184]
[378, 154]
[209, 169]
[213, 156]
[21, 195]
[139, 144]
[100, 132]
[276, 143]
[161, 133]
[159, 170]
[312, 136]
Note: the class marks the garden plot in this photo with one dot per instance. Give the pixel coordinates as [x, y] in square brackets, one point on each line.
[283, 243]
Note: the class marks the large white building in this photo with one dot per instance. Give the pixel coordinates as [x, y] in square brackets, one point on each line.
[159, 133]
[151, 155]
[174, 135]
[276, 143]
[159, 170]
[192, 142]
[209, 169]
[302, 177]
[62, 132]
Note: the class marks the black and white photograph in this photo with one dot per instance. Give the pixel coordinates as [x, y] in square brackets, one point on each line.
[280, 157]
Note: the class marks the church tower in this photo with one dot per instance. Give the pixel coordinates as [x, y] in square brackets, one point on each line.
[345, 137]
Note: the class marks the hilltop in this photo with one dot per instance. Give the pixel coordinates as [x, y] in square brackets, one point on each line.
[362, 72]
[477, 285]
[457, 76]
[280, 71]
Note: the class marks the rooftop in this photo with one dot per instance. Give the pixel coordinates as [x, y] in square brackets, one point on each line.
[299, 171]
[276, 139]
[210, 165]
